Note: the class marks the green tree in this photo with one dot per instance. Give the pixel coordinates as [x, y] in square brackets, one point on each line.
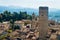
[6, 15]
[12, 24]
[1, 18]
[23, 15]
[29, 17]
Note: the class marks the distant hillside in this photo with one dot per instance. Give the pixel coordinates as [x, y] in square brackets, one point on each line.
[53, 13]
[16, 9]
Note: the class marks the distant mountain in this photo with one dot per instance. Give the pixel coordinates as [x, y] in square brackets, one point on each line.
[53, 13]
[18, 9]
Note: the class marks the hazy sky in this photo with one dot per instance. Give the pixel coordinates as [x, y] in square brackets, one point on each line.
[31, 3]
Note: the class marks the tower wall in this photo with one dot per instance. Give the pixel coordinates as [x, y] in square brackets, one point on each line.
[33, 21]
[43, 22]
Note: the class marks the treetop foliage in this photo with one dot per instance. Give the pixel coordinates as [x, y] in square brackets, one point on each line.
[8, 16]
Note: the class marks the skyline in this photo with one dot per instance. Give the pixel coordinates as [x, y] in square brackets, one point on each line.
[31, 3]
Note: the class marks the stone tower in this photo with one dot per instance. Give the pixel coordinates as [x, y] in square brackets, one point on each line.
[43, 22]
[33, 21]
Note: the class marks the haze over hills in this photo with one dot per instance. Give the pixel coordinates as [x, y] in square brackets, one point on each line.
[18, 9]
[53, 13]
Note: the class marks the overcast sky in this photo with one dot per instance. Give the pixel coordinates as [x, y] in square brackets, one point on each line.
[31, 3]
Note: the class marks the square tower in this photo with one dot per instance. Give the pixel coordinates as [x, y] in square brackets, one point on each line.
[43, 22]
